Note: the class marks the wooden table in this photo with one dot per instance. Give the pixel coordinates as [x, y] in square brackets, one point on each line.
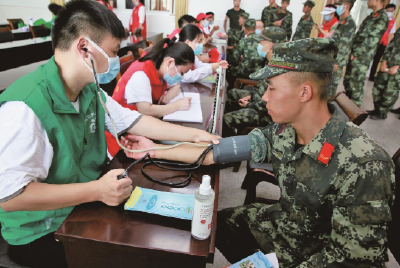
[96, 235]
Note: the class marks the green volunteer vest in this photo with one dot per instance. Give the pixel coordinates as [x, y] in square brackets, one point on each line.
[78, 142]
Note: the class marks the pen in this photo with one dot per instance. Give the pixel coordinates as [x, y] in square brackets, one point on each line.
[182, 92]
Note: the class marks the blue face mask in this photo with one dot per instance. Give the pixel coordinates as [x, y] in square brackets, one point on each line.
[340, 10]
[327, 17]
[198, 50]
[258, 32]
[211, 23]
[206, 23]
[260, 52]
[113, 66]
[173, 80]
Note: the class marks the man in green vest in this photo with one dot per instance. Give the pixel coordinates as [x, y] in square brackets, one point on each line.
[52, 145]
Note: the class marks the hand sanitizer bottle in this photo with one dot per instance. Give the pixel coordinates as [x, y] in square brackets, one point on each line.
[31, 21]
[203, 210]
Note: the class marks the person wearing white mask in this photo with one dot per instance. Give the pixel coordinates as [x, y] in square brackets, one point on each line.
[331, 20]
[211, 21]
[138, 18]
[386, 38]
[245, 108]
[259, 27]
[192, 36]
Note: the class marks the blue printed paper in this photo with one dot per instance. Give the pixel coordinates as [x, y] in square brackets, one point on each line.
[257, 260]
[161, 203]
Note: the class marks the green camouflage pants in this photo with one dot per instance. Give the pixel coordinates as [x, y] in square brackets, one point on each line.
[231, 102]
[354, 80]
[233, 37]
[241, 231]
[337, 75]
[385, 91]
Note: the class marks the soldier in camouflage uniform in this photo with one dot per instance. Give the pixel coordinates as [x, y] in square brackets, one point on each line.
[281, 18]
[245, 108]
[363, 50]
[387, 82]
[336, 182]
[343, 36]
[267, 10]
[303, 29]
[234, 63]
[245, 54]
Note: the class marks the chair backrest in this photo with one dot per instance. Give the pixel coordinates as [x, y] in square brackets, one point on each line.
[14, 23]
[125, 62]
[39, 31]
[6, 35]
[249, 82]
[348, 108]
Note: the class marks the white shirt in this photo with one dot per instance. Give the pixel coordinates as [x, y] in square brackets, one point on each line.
[393, 30]
[138, 89]
[207, 30]
[141, 14]
[25, 150]
[201, 71]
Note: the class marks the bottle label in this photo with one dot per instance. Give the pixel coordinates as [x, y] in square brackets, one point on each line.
[202, 219]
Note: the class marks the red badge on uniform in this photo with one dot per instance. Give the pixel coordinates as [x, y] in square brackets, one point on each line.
[326, 153]
[376, 15]
[343, 22]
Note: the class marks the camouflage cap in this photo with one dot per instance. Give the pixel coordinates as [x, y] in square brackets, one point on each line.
[250, 23]
[244, 15]
[315, 55]
[286, 1]
[273, 34]
[345, 1]
[309, 3]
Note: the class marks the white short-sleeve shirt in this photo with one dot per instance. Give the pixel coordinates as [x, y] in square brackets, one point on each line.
[25, 150]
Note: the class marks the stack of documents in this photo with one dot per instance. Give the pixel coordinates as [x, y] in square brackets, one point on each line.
[193, 115]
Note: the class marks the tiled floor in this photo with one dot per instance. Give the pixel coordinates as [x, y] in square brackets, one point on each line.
[385, 132]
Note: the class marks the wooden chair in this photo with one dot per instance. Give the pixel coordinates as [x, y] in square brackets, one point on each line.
[6, 35]
[39, 31]
[393, 227]
[14, 23]
[243, 81]
[257, 173]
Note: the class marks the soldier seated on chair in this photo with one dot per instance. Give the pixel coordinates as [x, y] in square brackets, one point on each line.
[336, 182]
[243, 107]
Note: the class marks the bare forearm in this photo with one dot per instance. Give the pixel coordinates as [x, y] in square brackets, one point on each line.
[156, 110]
[185, 154]
[156, 129]
[225, 24]
[42, 196]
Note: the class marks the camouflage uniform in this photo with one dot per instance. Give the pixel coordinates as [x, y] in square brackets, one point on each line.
[343, 36]
[335, 191]
[364, 47]
[266, 11]
[304, 28]
[306, 23]
[234, 37]
[387, 86]
[251, 61]
[286, 23]
[255, 113]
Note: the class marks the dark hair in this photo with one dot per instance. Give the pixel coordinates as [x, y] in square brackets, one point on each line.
[336, 15]
[324, 81]
[210, 13]
[189, 32]
[390, 6]
[55, 9]
[185, 19]
[85, 17]
[180, 52]
[105, 2]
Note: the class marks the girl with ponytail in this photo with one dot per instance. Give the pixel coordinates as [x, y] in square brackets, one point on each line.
[193, 37]
[143, 87]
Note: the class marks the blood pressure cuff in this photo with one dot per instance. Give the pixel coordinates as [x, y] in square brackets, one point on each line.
[232, 149]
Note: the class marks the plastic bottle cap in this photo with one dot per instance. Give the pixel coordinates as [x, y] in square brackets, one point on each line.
[205, 187]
